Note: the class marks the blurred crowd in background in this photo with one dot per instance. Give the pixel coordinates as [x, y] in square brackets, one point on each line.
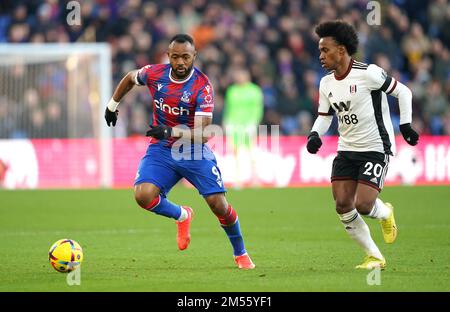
[272, 40]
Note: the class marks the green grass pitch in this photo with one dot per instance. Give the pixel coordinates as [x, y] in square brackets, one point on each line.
[293, 235]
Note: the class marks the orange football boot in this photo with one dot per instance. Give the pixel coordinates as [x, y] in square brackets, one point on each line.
[244, 262]
[183, 234]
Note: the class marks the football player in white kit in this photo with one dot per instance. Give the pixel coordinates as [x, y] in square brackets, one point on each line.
[356, 93]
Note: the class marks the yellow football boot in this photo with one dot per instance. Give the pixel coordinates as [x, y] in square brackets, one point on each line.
[371, 262]
[389, 227]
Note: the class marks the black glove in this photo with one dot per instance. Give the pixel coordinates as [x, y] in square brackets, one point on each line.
[111, 117]
[159, 132]
[410, 136]
[314, 142]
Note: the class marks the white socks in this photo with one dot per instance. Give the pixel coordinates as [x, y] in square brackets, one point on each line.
[183, 215]
[380, 210]
[359, 231]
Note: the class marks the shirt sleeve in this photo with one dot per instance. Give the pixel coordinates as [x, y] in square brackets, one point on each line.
[142, 74]
[378, 79]
[325, 108]
[205, 101]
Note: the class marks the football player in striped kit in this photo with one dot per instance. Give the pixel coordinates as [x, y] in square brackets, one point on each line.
[183, 103]
[357, 93]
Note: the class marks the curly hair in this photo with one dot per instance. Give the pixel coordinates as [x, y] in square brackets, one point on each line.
[342, 32]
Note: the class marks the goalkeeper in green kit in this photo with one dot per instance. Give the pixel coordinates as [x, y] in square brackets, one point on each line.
[243, 113]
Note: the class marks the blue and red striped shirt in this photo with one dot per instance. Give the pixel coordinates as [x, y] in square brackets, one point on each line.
[176, 102]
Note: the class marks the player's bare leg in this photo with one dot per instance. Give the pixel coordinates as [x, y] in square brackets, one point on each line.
[149, 197]
[230, 223]
[146, 193]
[344, 192]
[368, 204]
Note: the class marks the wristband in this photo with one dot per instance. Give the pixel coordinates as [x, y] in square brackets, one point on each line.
[112, 105]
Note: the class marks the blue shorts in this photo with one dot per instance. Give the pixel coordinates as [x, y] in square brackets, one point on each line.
[162, 169]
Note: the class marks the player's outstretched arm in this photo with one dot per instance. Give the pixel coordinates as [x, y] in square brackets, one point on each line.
[404, 95]
[126, 84]
[379, 80]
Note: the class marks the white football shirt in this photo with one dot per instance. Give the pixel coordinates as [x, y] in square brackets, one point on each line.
[359, 100]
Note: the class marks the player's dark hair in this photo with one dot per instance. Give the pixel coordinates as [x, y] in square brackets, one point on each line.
[182, 38]
[342, 32]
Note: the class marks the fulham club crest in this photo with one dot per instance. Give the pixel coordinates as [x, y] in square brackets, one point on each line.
[352, 89]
